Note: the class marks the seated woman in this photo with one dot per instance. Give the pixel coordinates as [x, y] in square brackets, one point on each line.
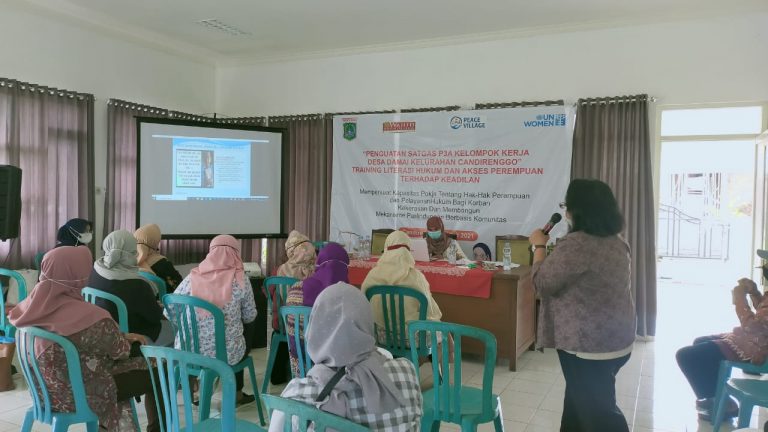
[149, 258]
[481, 252]
[75, 232]
[700, 362]
[374, 390]
[110, 377]
[116, 273]
[397, 267]
[220, 279]
[332, 267]
[300, 265]
[438, 241]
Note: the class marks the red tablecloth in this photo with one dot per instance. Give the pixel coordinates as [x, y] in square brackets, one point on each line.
[442, 277]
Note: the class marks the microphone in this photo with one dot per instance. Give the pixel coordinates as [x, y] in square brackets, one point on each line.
[553, 220]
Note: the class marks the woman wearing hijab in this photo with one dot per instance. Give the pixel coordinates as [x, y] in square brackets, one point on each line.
[438, 241]
[110, 377]
[150, 259]
[301, 257]
[116, 273]
[374, 390]
[220, 279]
[75, 232]
[397, 267]
[482, 252]
[332, 267]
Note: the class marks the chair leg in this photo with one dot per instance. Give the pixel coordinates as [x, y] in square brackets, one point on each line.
[429, 425]
[719, 410]
[255, 384]
[29, 418]
[745, 413]
[273, 345]
[498, 423]
[135, 415]
[206, 392]
[94, 427]
[57, 425]
[468, 426]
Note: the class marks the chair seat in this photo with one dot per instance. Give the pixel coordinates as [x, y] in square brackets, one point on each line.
[471, 404]
[214, 425]
[756, 389]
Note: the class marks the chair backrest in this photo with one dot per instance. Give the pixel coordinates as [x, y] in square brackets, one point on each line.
[174, 368]
[521, 248]
[91, 295]
[156, 282]
[39, 259]
[319, 245]
[279, 286]
[183, 312]
[41, 398]
[447, 391]
[307, 413]
[6, 326]
[392, 301]
[299, 315]
[378, 238]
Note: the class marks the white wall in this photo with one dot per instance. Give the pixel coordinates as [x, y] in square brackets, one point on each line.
[714, 60]
[52, 51]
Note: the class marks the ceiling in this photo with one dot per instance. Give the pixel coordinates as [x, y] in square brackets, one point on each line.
[299, 28]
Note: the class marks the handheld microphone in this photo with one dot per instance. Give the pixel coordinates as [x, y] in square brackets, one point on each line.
[553, 220]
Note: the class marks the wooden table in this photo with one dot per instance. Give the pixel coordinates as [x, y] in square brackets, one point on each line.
[509, 313]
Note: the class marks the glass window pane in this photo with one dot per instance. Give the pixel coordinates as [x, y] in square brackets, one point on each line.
[712, 121]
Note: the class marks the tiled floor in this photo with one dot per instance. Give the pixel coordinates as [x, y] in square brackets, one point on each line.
[651, 392]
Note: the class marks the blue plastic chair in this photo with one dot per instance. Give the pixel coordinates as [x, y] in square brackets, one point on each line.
[174, 368]
[393, 300]
[41, 402]
[6, 326]
[724, 374]
[449, 400]
[39, 259]
[182, 310]
[300, 317]
[281, 285]
[307, 414]
[749, 392]
[90, 295]
[157, 282]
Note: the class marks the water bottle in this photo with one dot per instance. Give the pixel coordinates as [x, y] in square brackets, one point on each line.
[507, 256]
[366, 247]
[450, 254]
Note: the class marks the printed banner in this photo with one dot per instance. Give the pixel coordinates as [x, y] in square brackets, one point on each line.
[485, 172]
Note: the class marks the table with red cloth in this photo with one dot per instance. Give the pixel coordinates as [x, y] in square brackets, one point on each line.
[500, 301]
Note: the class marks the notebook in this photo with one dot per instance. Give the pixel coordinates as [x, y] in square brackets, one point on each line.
[419, 249]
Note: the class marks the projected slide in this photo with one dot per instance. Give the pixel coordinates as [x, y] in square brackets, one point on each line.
[209, 168]
[199, 179]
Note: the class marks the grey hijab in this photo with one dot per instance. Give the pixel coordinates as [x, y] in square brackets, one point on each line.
[341, 334]
[119, 260]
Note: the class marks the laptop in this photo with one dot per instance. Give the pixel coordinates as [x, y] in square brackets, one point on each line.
[419, 249]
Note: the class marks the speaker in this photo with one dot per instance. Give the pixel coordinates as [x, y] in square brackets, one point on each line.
[10, 201]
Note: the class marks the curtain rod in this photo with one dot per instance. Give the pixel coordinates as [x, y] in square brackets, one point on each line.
[615, 99]
[495, 105]
[10, 83]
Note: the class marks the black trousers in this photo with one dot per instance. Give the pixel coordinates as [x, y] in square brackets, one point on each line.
[249, 330]
[590, 394]
[138, 383]
[700, 363]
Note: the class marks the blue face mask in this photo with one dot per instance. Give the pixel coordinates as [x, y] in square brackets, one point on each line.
[434, 235]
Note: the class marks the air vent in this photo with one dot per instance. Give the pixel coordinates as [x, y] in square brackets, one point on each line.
[216, 25]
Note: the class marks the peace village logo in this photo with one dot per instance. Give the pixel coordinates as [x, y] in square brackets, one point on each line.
[350, 128]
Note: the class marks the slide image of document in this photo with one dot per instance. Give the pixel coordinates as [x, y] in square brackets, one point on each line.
[208, 168]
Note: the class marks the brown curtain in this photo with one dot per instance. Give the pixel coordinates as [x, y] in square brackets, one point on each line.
[307, 171]
[48, 133]
[611, 143]
[120, 202]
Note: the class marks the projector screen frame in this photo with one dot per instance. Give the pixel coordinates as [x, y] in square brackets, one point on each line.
[215, 125]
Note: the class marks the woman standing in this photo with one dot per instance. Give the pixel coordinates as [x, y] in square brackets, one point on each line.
[587, 310]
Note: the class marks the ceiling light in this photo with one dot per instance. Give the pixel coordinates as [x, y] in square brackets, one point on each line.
[216, 25]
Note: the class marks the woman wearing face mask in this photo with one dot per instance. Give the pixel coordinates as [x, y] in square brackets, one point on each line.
[587, 311]
[438, 241]
[75, 232]
[700, 362]
[150, 259]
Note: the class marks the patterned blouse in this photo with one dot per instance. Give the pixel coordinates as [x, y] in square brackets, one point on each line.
[103, 353]
[241, 309]
[404, 419]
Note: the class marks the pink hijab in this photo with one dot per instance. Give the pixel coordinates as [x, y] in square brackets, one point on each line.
[212, 279]
[55, 304]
